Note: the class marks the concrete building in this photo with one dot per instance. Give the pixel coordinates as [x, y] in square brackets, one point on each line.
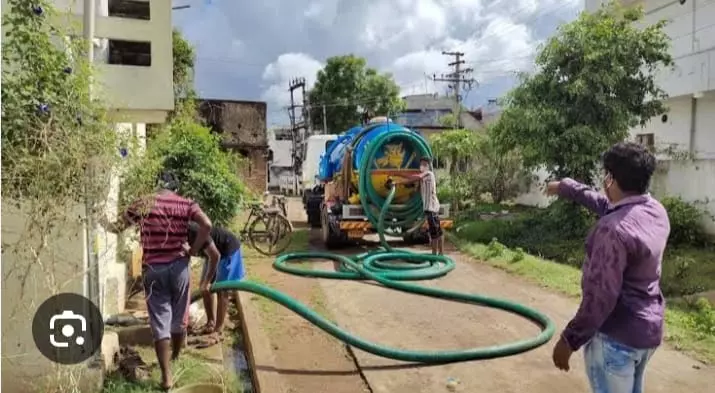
[242, 126]
[281, 176]
[424, 111]
[133, 62]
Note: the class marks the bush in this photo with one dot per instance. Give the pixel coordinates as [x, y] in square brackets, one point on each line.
[206, 173]
[703, 318]
[685, 222]
[455, 190]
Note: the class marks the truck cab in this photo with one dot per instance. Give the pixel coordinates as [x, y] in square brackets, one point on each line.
[315, 147]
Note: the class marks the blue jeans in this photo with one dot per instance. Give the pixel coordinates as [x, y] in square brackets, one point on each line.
[613, 367]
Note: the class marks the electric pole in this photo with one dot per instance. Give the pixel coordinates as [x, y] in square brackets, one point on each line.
[456, 79]
[298, 127]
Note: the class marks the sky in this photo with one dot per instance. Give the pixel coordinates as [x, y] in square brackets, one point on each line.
[249, 50]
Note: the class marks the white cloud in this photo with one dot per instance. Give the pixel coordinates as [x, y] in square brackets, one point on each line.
[502, 48]
[322, 12]
[251, 50]
[278, 74]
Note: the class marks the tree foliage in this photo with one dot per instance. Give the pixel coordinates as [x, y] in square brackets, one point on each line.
[477, 165]
[455, 148]
[52, 131]
[187, 148]
[498, 172]
[183, 70]
[595, 79]
[350, 91]
[206, 174]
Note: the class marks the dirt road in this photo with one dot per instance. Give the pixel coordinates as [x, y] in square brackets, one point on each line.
[409, 321]
[307, 360]
[291, 355]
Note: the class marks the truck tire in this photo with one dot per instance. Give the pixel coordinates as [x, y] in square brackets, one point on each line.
[416, 237]
[331, 239]
[314, 219]
[313, 206]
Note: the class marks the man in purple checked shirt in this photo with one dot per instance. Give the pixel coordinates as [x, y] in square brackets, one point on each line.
[620, 320]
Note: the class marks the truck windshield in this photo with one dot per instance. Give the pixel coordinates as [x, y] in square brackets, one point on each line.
[328, 144]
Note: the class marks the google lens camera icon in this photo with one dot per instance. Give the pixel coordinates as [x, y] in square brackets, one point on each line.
[67, 323]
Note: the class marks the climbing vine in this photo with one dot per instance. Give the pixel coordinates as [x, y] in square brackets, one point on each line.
[58, 148]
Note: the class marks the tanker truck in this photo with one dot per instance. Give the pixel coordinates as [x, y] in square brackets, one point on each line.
[354, 178]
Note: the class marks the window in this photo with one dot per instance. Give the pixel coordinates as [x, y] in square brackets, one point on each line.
[131, 9]
[130, 53]
[328, 144]
[647, 140]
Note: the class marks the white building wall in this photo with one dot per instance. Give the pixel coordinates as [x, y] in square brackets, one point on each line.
[691, 84]
[281, 178]
[121, 84]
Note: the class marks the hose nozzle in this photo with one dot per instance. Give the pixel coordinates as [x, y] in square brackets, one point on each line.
[389, 184]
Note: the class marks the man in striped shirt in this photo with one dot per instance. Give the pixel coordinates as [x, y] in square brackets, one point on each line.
[163, 221]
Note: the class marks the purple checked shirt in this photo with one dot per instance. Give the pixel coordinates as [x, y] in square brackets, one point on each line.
[621, 273]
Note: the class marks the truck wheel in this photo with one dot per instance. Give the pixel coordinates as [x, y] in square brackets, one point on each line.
[416, 237]
[314, 219]
[331, 240]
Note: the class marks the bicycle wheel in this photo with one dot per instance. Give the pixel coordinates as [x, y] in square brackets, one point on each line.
[270, 235]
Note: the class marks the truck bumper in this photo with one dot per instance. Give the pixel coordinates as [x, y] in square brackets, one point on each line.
[366, 226]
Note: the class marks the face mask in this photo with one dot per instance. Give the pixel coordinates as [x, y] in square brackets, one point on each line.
[607, 183]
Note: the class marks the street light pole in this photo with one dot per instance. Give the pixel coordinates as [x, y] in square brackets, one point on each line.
[88, 25]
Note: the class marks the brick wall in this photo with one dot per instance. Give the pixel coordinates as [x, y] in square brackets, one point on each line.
[253, 172]
[242, 126]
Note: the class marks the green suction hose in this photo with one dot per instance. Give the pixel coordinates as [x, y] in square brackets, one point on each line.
[371, 200]
[377, 266]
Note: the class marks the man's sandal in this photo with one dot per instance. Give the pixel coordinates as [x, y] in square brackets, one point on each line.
[208, 328]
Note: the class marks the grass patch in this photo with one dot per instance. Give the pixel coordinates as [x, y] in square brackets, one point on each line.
[191, 368]
[689, 327]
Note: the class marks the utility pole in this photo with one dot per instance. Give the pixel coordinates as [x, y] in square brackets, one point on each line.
[298, 127]
[456, 80]
[325, 120]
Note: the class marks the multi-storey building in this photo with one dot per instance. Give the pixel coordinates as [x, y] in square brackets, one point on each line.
[133, 64]
[688, 126]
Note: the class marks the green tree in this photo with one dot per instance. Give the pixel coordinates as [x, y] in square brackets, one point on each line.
[595, 79]
[350, 90]
[206, 174]
[455, 148]
[497, 172]
[184, 58]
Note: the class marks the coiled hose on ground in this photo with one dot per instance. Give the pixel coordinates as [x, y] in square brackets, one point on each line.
[392, 268]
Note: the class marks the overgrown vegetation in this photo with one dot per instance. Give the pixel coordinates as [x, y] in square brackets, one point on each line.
[689, 325]
[58, 148]
[479, 169]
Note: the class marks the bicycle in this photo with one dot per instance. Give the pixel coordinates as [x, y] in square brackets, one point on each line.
[267, 226]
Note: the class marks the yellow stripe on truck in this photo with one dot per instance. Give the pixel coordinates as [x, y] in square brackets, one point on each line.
[364, 225]
[355, 225]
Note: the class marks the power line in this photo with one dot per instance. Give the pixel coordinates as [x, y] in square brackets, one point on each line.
[456, 80]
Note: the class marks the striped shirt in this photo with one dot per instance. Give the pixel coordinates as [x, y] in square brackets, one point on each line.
[428, 189]
[163, 222]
